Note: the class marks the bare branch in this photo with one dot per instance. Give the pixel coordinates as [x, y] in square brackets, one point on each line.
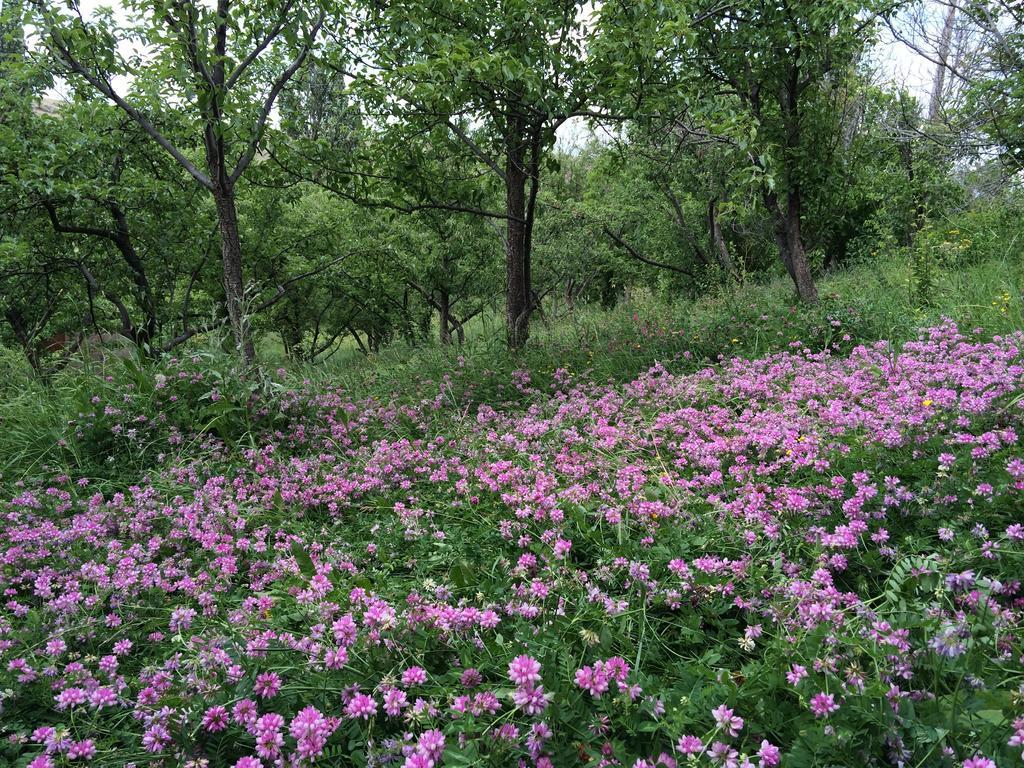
[641, 258]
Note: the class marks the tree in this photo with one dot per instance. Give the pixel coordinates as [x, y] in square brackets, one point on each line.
[996, 94]
[777, 64]
[449, 264]
[492, 82]
[224, 64]
[106, 214]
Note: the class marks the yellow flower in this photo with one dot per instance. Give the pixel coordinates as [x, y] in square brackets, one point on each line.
[734, 341]
[926, 403]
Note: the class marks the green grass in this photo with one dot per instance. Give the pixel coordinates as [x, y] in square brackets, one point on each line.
[611, 344]
[861, 304]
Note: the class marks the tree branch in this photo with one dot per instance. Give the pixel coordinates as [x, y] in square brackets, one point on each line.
[62, 52]
[275, 90]
[245, 63]
[641, 258]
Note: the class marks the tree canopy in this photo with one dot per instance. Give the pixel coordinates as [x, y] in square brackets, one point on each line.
[333, 174]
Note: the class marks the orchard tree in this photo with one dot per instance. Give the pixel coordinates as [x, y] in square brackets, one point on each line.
[492, 83]
[775, 66]
[88, 197]
[451, 265]
[223, 64]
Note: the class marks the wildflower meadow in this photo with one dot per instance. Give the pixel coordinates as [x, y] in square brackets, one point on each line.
[806, 558]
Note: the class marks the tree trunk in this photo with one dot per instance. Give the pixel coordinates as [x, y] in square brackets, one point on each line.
[939, 83]
[719, 248]
[444, 318]
[788, 234]
[517, 274]
[231, 259]
[147, 303]
[788, 238]
[29, 346]
[798, 267]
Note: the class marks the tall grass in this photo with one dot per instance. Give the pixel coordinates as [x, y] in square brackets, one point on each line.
[862, 304]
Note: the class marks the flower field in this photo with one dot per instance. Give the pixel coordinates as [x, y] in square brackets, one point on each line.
[802, 560]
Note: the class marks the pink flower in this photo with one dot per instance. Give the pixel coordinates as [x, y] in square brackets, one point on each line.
[244, 712]
[430, 743]
[769, 754]
[361, 706]
[823, 704]
[336, 658]
[796, 674]
[181, 618]
[395, 700]
[215, 719]
[311, 730]
[727, 721]
[689, 745]
[103, 696]
[594, 680]
[155, 738]
[414, 676]
[267, 685]
[471, 678]
[269, 740]
[978, 762]
[81, 750]
[531, 700]
[71, 697]
[524, 670]
[724, 755]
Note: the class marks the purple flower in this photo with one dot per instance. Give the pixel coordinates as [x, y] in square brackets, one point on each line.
[727, 721]
[361, 706]
[215, 719]
[523, 670]
[823, 704]
[960, 582]
[81, 750]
